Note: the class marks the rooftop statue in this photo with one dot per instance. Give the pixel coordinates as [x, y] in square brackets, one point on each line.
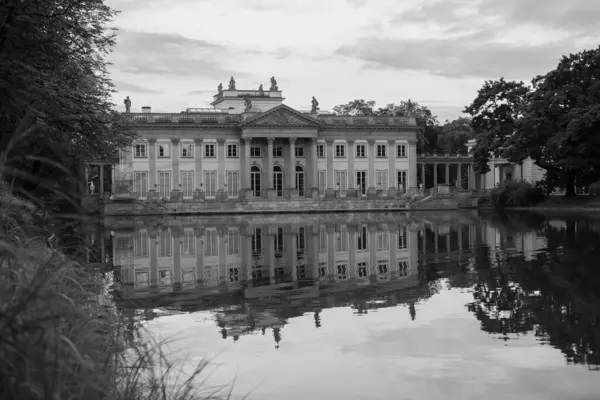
[314, 105]
[274, 86]
[248, 104]
[220, 88]
[232, 84]
[127, 103]
[260, 89]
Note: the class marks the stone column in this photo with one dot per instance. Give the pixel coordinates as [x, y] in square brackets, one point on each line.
[393, 176]
[459, 176]
[153, 184]
[198, 193]
[198, 233]
[176, 180]
[435, 177]
[175, 233]
[372, 228]
[371, 155]
[221, 189]
[351, 166]
[101, 180]
[292, 167]
[223, 273]
[154, 234]
[447, 177]
[314, 168]
[269, 167]
[330, 184]
[460, 239]
[330, 230]
[423, 174]
[315, 232]
[436, 243]
[471, 180]
[352, 249]
[393, 232]
[247, 164]
[412, 164]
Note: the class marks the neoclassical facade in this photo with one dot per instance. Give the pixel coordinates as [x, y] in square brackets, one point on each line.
[251, 146]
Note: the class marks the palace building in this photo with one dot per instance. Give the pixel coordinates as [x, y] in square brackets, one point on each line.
[250, 146]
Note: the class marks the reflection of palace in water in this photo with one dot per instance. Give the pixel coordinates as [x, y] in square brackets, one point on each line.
[260, 271]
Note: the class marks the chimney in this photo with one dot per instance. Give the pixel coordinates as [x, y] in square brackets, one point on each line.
[146, 110]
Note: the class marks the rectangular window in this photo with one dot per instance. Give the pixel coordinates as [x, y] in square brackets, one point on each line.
[210, 183]
[165, 244]
[188, 244]
[402, 173]
[279, 242]
[234, 274]
[403, 268]
[140, 183]
[381, 179]
[340, 150]
[320, 150]
[165, 277]
[233, 241]
[402, 239]
[401, 151]
[187, 150]
[233, 183]
[140, 245]
[232, 150]
[209, 150]
[140, 150]
[341, 181]
[299, 151]
[164, 184]
[164, 150]
[381, 150]
[257, 241]
[383, 241]
[187, 183]
[383, 269]
[255, 151]
[342, 271]
[361, 151]
[301, 240]
[322, 182]
[278, 151]
[322, 240]
[362, 239]
[211, 243]
[362, 269]
[341, 240]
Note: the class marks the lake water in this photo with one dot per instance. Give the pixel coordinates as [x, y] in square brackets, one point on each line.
[438, 305]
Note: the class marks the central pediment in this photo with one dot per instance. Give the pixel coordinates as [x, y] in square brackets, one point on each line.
[281, 116]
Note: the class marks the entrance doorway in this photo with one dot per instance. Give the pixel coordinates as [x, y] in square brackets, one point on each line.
[361, 182]
[300, 180]
[255, 181]
[278, 180]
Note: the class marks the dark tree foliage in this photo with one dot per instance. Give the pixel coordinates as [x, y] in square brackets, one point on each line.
[455, 135]
[425, 119]
[55, 109]
[495, 112]
[560, 128]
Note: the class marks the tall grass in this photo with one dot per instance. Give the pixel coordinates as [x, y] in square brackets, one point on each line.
[59, 339]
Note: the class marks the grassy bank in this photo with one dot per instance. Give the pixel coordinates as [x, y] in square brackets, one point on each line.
[60, 335]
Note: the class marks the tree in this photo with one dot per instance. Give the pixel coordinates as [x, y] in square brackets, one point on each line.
[358, 107]
[425, 118]
[561, 123]
[455, 135]
[55, 109]
[495, 112]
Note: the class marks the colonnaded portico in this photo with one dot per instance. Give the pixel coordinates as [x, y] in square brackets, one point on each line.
[457, 171]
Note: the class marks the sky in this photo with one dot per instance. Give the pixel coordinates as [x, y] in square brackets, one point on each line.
[172, 54]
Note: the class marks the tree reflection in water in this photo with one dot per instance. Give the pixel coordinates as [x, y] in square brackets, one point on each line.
[554, 294]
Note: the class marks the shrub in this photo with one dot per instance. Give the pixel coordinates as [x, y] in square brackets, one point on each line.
[516, 194]
[595, 189]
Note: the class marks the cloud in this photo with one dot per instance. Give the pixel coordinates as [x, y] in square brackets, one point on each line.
[165, 54]
[132, 87]
[356, 3]
[493, 38]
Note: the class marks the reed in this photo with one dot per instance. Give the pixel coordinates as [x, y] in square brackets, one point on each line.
[60, 335]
